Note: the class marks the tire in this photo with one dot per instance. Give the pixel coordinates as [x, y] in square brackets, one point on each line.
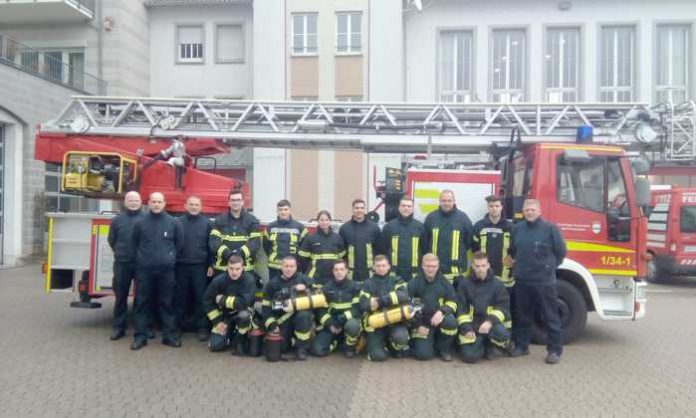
[572, 308]
[653, 273]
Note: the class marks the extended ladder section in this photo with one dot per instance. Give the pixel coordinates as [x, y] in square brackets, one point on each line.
[679, 123]
[371, 127]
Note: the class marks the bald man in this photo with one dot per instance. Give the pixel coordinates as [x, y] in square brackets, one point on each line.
[124, 260]
[157, 238]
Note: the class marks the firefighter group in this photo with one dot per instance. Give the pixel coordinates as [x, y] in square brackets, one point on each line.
[440, 288]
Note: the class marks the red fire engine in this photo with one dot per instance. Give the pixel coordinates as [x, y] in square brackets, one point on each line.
[588, 186]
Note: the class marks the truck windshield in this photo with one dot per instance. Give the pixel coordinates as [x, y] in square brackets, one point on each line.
[687, 221]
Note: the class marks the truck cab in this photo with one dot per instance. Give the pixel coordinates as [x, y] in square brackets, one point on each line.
[672, 232]
[590, 193]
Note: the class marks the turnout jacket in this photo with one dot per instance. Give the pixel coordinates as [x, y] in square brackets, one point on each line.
[120, 235]
[157, 239]
[494, 240]
[318, 253]
[231, 236]
[282, 238]
[363, 241]
[538, 249]
[195, 249]
[449, 237]
[405, 240]
[389, 290]
[237, 295]
[438, 295]
[281, 289]
[343, 300]
[482, 300]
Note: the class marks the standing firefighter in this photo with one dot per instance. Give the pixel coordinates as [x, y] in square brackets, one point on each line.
[294, 327]
[363, 241]
[449, 236]
[320, 250]
[228, 303]
[538, 249]
[235, 233]
[379, 293]
[124, 260]
[406, 241]
[492, 237]
[339, 323]
[282, 237]
[436, 326]
[484, 312]
[193, 269]
[156, 240]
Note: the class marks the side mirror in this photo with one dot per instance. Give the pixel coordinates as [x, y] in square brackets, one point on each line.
[640, 166]
[642, 187]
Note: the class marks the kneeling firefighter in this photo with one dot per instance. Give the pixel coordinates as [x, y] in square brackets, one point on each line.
[484, 312]
[379, 293]
[228, 302]
[339, 322]
[286, 314]
[435, 325]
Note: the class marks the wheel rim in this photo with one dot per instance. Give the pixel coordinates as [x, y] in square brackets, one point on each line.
[652, 269]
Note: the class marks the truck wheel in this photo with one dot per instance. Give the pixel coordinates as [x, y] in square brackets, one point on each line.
[572, 309]
[653, 275]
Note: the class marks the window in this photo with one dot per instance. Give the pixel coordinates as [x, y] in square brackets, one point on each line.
[190, 41]
[53, 65]
[229, 46]
[581, 184]
[456, 52]
[616, 64]
[508, 66]
[616, 189]
[304, 34]
[672, 59]
[562, 60]
[687, 219]
[30, 60]
[76, 77]
[348, 32]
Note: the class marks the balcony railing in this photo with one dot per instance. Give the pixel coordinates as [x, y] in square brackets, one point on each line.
[50, 66]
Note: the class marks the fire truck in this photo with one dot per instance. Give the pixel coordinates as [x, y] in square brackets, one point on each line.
[573, 158]
[672, 232]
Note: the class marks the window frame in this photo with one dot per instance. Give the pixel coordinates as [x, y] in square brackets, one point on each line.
[216, 42]
[523, 90]
[177, 44]
[304, 52]
[350, 48]
[577, 90]
[688, 51]
[615, 90]
[466, 95]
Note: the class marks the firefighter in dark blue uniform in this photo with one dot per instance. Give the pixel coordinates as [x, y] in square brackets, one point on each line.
[157, 238]
[538, 249]
[320, 249]
[405, 239]
[363, 241]
[228, 303]
[193, 269]
[282, 237]
[339, 323]
[436, 325]
[124, 260]
[449, 236]
[235, 232]
[492, 237]
[484, 312]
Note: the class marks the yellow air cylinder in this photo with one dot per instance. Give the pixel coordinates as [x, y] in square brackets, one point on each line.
[303, 303]
[390, 316]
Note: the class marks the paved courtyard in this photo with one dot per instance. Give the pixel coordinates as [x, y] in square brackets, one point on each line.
[58, 361]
